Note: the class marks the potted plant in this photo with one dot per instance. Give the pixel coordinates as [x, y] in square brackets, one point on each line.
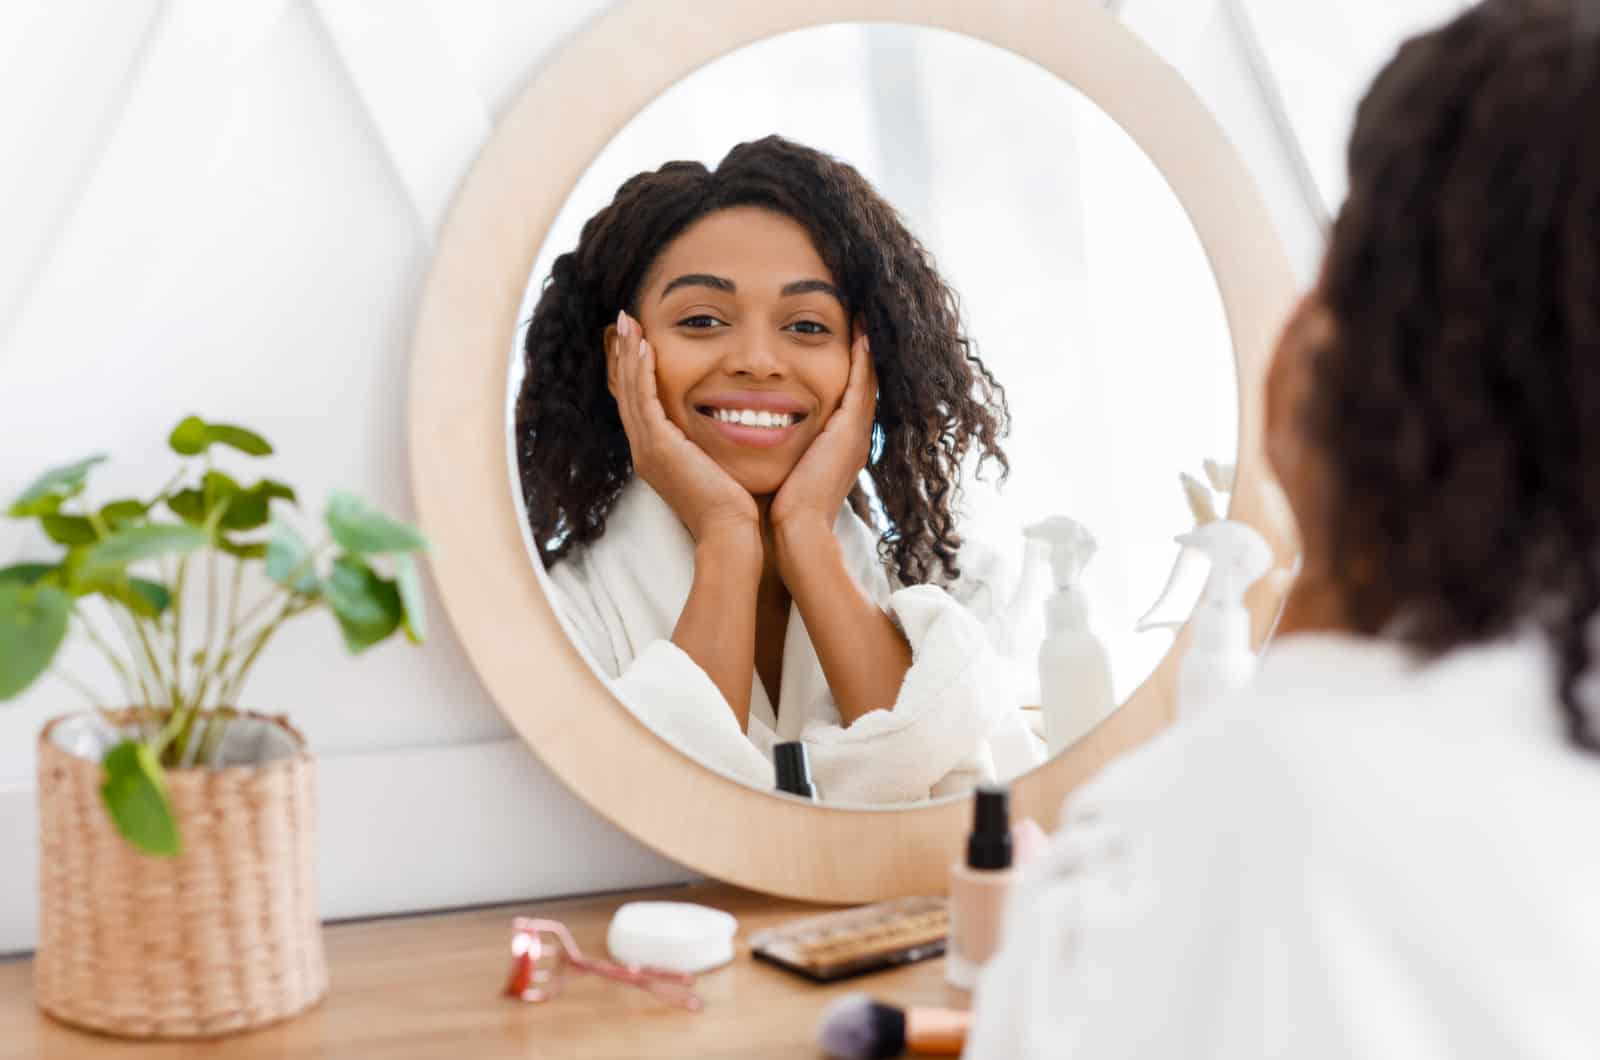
[177, 887]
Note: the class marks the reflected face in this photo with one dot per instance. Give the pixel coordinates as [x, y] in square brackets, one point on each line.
[752, 341]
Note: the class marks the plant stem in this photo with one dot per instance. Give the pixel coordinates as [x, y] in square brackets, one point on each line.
[144, 660]
[206, 648]
[294, 606]
[176, 722]
[216, 656]
[211, 736]
[307, 564]
[82, 689]
[177, 631]
[101, 530]
[165, 490]
[130, 687]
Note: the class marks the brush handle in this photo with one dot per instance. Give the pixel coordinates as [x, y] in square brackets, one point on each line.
[936, 1031]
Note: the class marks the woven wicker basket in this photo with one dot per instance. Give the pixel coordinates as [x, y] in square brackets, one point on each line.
[220, 939]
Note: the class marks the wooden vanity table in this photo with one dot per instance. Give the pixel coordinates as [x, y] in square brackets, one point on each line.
[429, 987]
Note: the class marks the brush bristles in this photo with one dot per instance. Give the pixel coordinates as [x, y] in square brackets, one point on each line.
[855, 1027]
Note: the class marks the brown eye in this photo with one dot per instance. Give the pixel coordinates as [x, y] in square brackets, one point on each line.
[810, 327]
[701, 321]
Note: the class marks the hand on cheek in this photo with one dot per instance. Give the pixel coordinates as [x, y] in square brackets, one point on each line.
[704, 496]
[827, 472]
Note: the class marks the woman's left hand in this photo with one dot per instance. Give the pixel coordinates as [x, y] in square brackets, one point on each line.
[825, 475]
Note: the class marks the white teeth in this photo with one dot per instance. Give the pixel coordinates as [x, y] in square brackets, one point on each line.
[754, 418]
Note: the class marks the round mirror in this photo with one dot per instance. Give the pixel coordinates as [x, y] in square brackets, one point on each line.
[1084, 292]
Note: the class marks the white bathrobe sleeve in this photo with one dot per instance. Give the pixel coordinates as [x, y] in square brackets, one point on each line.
[935, 738]
[662, 686]
[954, 716]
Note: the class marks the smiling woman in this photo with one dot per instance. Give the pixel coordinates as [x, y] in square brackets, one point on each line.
[706, 376]
[1129, 318]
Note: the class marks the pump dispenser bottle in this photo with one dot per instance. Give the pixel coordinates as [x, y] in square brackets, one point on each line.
[1219, 660]
[978, 888]
[793, 769]
[1075, 692]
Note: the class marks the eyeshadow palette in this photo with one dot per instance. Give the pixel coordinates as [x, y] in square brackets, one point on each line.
[856, 941]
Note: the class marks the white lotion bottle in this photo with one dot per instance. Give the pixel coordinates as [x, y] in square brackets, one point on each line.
[1075, 691]
[1220, 661]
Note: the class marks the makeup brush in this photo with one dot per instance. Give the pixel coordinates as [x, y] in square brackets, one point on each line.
[855, 1027]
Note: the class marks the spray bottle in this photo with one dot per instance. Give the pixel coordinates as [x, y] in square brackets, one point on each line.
[1074, 672]
[1219, 660]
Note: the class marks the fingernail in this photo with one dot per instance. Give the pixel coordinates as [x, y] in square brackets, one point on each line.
[644, 344]
[622, 323]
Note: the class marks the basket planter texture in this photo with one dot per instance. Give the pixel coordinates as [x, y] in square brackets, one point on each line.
[222, 938]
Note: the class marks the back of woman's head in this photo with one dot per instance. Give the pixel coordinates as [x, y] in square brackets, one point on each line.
[1457, 402]
[936, 400]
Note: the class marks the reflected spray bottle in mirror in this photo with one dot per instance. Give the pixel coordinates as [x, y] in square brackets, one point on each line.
[979, 886]
[1075, 692]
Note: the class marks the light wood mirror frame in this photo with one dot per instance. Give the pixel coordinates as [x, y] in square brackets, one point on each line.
[466, 330]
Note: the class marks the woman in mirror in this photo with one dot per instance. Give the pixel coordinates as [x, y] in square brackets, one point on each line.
[1382, 847]
[706, 376]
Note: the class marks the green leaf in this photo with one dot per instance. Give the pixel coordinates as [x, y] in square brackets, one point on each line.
[364, 530]
[27, 573]
[188, 505]
[33, 623]
[409, 581]
[147, 597]
[194, 436]
[218, 487]
[190, 437]
[247, 509]
[246, 441]
[251, 508]
[44, 496]
[135, 794]
[122, 513]
[288, 556]
[274, 490]
[135, 543]
[139, 595]
[368, 607]
[69, 529]
[242, 549]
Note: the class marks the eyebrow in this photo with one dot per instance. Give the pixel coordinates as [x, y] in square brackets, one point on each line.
[722, 283]
[699, 279]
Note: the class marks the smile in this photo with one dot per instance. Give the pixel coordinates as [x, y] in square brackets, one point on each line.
[755, 418]
[752, 428]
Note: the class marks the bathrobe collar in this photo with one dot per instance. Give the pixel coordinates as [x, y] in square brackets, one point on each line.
[654, 552]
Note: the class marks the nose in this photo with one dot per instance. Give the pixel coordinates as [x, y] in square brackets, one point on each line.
[754, 360]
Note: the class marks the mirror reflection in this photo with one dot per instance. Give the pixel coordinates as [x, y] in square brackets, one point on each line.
[858, 376]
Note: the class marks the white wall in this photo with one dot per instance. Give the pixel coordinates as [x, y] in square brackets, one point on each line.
[210, 212]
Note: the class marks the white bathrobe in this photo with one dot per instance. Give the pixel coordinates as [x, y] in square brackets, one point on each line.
[955, 722]
[1359, 857]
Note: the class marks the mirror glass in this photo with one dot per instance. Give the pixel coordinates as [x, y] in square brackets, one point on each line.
[1085, 292]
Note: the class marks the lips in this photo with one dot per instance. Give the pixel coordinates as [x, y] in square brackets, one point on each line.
[753, 418]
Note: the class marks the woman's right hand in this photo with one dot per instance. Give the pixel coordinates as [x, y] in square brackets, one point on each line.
[705, 497]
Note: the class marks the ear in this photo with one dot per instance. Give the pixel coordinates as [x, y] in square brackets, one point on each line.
[608, 346]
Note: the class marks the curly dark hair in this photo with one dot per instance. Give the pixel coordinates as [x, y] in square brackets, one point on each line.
[1457, 399]
[936, 399]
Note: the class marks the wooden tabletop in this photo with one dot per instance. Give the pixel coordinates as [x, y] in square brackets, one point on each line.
[429, 986]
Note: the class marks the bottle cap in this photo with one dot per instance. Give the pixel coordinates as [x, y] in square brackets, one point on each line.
[794, 771]
[1239, 556]
[1071, 545]
[989, 846]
